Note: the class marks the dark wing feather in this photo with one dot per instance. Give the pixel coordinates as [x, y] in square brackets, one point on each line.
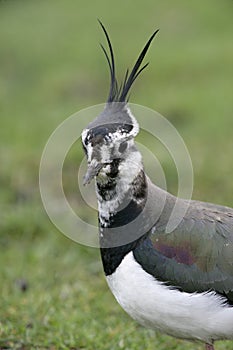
[198, 255]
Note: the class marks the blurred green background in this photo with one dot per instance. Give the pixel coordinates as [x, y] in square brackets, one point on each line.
[53, 292]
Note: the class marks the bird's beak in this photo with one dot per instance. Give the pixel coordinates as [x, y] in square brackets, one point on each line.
[93, 169]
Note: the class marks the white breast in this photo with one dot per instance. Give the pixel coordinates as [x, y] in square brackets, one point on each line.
[200, 316]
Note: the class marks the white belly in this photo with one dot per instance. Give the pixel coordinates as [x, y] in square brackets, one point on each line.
[184, 315]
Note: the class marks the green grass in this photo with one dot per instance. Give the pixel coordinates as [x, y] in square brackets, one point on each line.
[54, 295]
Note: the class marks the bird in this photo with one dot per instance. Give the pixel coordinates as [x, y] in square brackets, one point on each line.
[179, 282]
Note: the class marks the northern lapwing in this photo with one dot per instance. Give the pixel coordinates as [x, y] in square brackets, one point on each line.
[180, 283]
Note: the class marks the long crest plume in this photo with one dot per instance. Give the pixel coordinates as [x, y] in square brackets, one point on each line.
[116, 93]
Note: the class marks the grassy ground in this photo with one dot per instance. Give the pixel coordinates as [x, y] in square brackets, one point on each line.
[53, 291]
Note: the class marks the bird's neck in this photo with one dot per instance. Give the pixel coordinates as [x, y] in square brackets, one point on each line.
[120, 204]
[127, 212]
[125, 186]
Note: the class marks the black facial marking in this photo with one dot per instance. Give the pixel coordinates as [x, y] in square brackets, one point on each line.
[114, 168]
[106, 191]
[101, 133]
[122, 146]
[140, 186]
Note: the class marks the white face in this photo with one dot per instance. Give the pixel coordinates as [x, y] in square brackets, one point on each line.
[108, 148]
[109, 140]
[107, 154]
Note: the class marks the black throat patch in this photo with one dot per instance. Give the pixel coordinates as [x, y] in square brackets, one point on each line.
[117, 238]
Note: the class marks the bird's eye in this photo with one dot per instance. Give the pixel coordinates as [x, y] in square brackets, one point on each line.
[122, 147]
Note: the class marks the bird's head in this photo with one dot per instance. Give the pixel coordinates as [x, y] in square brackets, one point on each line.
[108, 140]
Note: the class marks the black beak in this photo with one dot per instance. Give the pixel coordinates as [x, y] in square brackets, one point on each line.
[93, 170]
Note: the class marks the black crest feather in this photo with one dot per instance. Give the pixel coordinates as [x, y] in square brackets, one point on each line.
[116, 93]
